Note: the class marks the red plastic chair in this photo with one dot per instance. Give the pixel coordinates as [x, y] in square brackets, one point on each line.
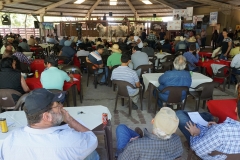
[37, 64]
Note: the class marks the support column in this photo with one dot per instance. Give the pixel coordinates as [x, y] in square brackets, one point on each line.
[41, 29]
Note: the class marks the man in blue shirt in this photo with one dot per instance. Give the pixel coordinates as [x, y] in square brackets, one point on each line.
[95, 58]
[68, 50]
[192, 57]
[53, 78]
[24, 45]
[176, 77]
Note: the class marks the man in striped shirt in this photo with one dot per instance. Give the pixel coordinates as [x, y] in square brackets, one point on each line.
[124, 73]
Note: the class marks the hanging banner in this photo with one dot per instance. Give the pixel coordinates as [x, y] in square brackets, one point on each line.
[189, 13]
[47, 25]
[197, 18]
[178, 13]
[213, 18]
[174, 25]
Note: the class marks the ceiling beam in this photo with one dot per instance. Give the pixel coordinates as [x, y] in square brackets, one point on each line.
[6, 2]
[51, 6]
[163, 2]
[92, 8]
[132, 8]
[221, 6]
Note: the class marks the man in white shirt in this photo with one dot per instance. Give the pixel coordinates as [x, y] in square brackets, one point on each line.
[44, 138]
[235, 64]
[136, 40]
[81, 51]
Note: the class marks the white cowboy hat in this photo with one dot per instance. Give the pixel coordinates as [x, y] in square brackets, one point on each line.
[115, 48]
[192, 39]
[177, 38]
[182, 38]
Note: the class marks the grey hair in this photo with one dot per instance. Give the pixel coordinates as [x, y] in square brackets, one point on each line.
[160, 134]
[179, 63]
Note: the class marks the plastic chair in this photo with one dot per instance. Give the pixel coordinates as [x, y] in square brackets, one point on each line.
[153, 60]
[75, 70]
[192, 154]
[67, 61]
[236, 75]
[25, 68]
[169, 58]
[192, 65]
[180, 52]
[223, 73]
[91, 70]
[174, 96]
[83, 62]
[110, 74]
[123, 93]
[7, 102]
[203, 92]
[164, 66]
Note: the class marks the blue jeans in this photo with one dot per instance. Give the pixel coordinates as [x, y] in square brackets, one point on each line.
[103, 80]
[184, 118]
[123, 136]
[222, 57]
[93, 156]
[233, 77]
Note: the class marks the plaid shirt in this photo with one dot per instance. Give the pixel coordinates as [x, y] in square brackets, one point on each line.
[151, 37]
[150, 147]
[223, 138]
[22, 58]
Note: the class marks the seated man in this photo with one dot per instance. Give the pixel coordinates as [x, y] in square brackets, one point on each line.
[235, 64]
[44, 137]
[162, 143]
[234, 51]
[68, 50]
[21, 57]
[96, 59]
[24, 46]
[192, 57]
[53, 78]
[115, 58]
[224, 137]
[81, 51]
[31, 41]
[148, 50]
[177, 77]
[181, 44]
[136, 40]
[124, 73]
[138, 58]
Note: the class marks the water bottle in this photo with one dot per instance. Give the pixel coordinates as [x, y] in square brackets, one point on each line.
[36, 73]
[202, 59]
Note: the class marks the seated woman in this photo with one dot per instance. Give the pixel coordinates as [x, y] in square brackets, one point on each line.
[192, 57]
[12, 79]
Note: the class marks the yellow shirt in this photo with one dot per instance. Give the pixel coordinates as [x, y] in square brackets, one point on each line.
[234, 51]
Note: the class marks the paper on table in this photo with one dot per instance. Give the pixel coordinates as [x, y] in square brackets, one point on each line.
[196, 118]
[75, 79]
[9, 123]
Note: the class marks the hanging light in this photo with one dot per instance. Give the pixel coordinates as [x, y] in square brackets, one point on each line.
[146, 2]
[79, 1]
[113, 2]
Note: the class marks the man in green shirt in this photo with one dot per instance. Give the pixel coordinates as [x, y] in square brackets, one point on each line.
[115, 58]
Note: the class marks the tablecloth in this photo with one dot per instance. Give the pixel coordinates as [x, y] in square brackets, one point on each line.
[197, 78]
[91, 117]
[223, 108]
[205, 54]
[35, 83]
[37, 64]
[34, 48]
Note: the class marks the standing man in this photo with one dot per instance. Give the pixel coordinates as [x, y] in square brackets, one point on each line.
[203, 38]
[162, 34]
[151, 39]
[44, 137]
[144, 35]
[136, 40]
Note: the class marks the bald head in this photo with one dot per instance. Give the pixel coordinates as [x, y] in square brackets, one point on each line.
[179, 63]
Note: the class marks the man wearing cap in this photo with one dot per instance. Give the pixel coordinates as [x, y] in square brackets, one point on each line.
[115, 58]
[53, 78]
[148, 50]
[161, 143]
[68, 50]
[44, 137]
[31, 41]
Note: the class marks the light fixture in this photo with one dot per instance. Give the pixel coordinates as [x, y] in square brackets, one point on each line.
[113, 2]
[79, 1]
[146, 2]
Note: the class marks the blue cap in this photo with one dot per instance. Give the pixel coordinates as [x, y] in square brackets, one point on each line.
[67, 43]
[38, 100]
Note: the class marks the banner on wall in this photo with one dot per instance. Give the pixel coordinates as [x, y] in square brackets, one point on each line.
[47, 25]
[189, 13]
[178, 13]
[174, 25]
[213, 18]
[197, 18]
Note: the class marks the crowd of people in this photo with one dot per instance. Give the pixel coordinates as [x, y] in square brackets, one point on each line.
[44, 110]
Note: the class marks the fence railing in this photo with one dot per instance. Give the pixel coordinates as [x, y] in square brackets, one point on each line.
[21, 31]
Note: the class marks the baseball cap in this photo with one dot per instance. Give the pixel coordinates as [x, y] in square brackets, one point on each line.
[38, 100]
[166, 120]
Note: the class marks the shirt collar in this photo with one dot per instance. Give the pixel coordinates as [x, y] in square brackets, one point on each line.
[150, 135]
[231, 121]
[45, 131]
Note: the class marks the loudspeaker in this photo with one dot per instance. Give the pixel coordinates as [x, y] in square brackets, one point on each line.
[154, 15]
[6, 20]
[36, 24]
[199, 24]
[110, 14]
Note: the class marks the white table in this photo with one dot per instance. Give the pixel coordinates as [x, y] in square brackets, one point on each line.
[91, 117]
[150, 81]
[46, 46]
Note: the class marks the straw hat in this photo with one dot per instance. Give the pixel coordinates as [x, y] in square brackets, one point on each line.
[145, 44]
[192, 39]
[166, 121]
[115, 48]
[177, 38]
[10, 39]
[99, 43]
[182, 38]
